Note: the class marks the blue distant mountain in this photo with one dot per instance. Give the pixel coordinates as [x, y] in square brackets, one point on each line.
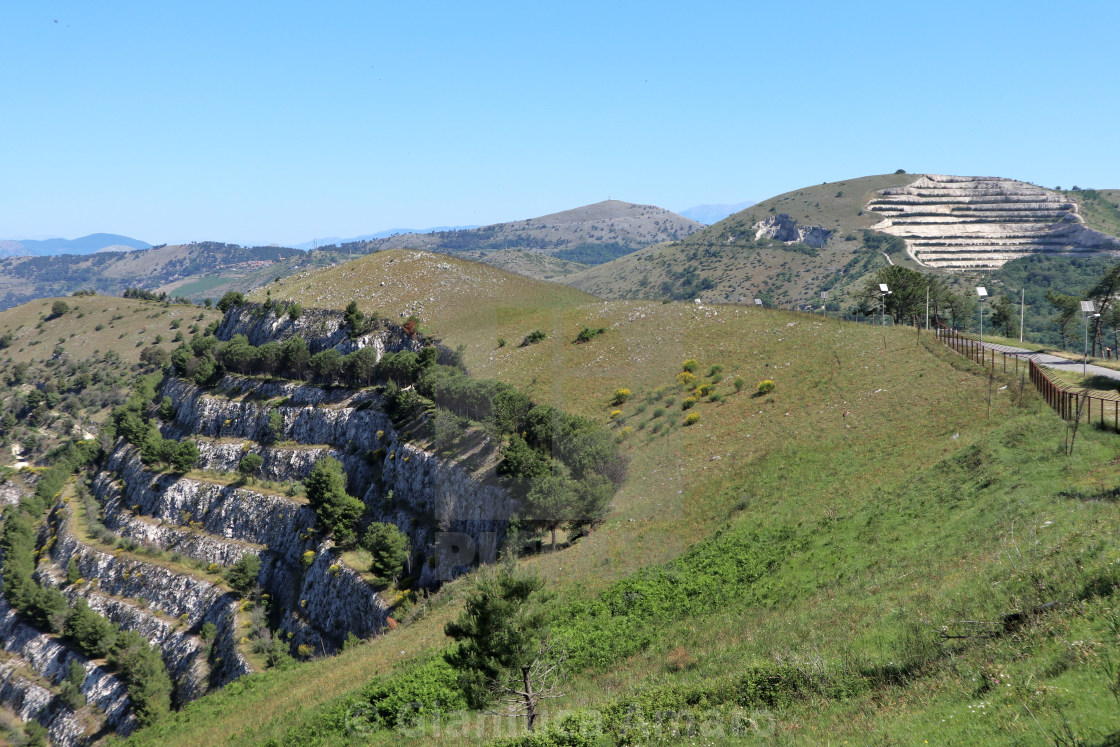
[709, 214]
[95, 242]
[327, 241]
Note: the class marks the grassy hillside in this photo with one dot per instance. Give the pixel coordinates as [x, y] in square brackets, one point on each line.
[723, 262]
[454, 298]
[63, 373]
[1100, 208]
[788, 562]
[530, 264]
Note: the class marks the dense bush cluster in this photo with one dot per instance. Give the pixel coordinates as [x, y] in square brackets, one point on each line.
[134, 423]
[205, 359]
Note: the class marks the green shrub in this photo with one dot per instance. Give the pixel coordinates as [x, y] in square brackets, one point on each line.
[389, 546]
[532, 338]
[690, 365]
[250, 463]
[688, 402]
[242, 576]
[587, 334]
[739, 383]
[337, 511]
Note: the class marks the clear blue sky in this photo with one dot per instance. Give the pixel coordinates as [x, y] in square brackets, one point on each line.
[284, 121]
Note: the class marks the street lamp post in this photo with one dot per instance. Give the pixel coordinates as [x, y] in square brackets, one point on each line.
[982, 292]
[1090, 313]
[884, 291]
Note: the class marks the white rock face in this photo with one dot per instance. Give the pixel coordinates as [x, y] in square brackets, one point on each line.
[320, 329]
[782, 227]
[187, 601]
[981, 223]
[50, 659]
[431, 496]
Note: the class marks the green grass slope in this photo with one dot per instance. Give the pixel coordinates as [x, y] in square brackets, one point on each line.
[1099, 208]
[724, 263]
[82, 362]
[781, 570]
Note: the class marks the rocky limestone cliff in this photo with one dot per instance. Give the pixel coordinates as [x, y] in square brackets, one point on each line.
[453, 517]
[783, 228]
[430, 495]
[330, 603]
[50, 659]
[187, 601]
[978, 223]
[320, 329]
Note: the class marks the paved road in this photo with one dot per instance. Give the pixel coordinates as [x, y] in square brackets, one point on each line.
[1056, 362]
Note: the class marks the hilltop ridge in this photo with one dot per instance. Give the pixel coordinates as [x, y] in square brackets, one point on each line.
[588, 235]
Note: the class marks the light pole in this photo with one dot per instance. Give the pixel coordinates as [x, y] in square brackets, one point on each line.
[982, 292]
[883, 293]
[1090, 313]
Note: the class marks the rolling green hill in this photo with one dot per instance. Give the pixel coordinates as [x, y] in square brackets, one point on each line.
[725, 263]
[81, 363]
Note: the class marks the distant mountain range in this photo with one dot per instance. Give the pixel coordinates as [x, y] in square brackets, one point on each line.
[336, 240]
[95, 242]
[709, 214]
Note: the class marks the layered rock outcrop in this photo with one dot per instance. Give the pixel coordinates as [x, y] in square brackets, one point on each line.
[46, 657]
[980, 223]
[320, 329]
[153, 545]
[784, 228]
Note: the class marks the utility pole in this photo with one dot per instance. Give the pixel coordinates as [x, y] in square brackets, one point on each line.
[1022, 311]
[981, 291]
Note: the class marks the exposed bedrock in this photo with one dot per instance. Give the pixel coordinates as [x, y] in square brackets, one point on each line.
[969, 223]
[784, 228]
[48, 658]
[320, 328]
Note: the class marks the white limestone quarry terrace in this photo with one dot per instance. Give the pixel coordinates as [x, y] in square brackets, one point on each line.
[50, 659]
[980, 223]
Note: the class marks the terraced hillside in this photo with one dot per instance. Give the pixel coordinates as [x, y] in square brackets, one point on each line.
[734, 261]
[788, 249]
[153, 548]
[960, 223]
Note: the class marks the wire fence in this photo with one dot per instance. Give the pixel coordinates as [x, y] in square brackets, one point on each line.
[1071, 403]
